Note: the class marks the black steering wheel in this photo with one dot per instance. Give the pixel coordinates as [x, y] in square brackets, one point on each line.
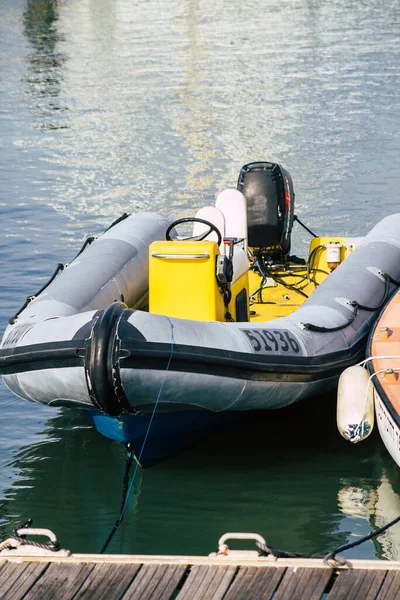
[197, 238]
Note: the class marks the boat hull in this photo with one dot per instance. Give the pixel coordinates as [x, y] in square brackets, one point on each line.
[383, 362]
[389, 427]
[160, 436]
[70, 348]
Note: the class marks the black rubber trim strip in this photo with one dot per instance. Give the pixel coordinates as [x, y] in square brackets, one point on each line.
[42, 356]
[239, 365]
[379, 389]
[106, 354]
[100, 363]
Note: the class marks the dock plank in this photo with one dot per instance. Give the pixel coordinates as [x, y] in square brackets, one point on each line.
[362, 584]
[107, 581]
[299, 583]
[254, 583]
[93, 577]
[155, 582]
[17, 579]
[59, 581]
[390, 589]
[207, 583]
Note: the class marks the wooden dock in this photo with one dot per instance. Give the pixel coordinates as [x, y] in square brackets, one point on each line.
[121, 577]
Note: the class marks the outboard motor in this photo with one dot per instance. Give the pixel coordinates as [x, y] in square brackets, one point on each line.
[268, 189]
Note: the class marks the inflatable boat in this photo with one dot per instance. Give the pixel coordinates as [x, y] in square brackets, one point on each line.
[152, 324]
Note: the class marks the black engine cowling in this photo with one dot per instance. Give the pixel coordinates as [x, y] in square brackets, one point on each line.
[268, 189]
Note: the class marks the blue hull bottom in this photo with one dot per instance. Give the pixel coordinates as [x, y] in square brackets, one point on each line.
[169, 434]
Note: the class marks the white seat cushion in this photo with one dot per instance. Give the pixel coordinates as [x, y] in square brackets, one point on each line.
[216, 217]
[233, 205]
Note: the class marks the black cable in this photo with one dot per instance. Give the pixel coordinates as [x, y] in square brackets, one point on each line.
[392, 280]
[357, 307]
[384, 297]
[298, 275]
[279, 279]
[316, 270]
[288, 286]
[296, 218]
[318, 329]
[262, 302]
[311, 259]
[265, 273]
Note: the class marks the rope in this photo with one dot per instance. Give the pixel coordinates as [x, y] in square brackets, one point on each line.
[364, 362]
[128, 488]
[118, 220]
[60, 267]
[331, 557]
[358, 432]
[264, 550]
[22, 541]
[87, 242]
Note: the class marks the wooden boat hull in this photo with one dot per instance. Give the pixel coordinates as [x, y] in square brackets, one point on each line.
[383, 352]
[388, 426]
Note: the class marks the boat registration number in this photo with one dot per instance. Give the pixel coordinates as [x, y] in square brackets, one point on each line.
[16, 334]
[267, 341]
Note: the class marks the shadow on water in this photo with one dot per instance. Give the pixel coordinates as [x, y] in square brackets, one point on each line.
[46, 62]
[286, 474]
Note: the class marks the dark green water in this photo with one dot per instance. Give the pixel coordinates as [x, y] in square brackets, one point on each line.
[288, 475]
[109, 106]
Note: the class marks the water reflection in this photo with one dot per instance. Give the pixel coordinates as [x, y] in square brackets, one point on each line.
[69, 482]
[387, 508]
[166, 105]
[375, 505]
[286, 474]
[196, 121]
[45, 63]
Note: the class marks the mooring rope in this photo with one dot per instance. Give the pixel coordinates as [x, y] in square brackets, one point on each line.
[331, 558]
[357, 434]
[128, 488]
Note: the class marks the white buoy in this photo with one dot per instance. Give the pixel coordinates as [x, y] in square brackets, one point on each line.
[355, 404]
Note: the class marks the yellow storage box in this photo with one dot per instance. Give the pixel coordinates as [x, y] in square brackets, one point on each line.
[182, 280]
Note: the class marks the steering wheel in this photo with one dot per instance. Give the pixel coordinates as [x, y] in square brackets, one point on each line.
[198, 238]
